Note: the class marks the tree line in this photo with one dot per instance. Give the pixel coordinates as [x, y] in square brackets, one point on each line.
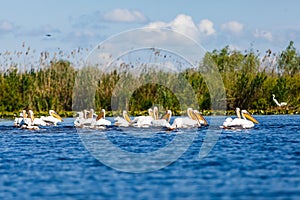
[250, 79]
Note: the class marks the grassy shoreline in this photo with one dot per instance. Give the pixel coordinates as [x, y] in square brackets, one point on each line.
[66, 114]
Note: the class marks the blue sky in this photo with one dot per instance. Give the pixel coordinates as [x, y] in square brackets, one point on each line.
[214, 24]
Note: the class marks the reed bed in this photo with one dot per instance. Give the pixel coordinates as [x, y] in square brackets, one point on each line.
[41, 81]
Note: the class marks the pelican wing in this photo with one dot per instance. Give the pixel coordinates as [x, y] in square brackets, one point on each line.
[102, 122]
[100, 116]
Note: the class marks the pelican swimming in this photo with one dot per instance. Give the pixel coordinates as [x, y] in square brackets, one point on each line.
[139, 121]
[53, 118]
[247, 121]
[18, 120]
[277, 103]
[36, 121]
[82, 121]
[27, 122]
[79, 118]
[88, 119]
[123, 121]
[161, 122]
[191, 121]
[143, 121]
[100, 120]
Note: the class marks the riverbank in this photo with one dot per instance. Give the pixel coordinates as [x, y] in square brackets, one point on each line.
[64, 114]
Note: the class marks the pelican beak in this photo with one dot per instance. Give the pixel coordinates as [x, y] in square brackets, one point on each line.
[249, 117]
[193, 115]
[200, 117]
[57, 116]
[156, 115]
[101, 114]
[126, 117]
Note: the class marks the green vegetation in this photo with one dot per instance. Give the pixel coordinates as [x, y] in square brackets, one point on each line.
[249, 78]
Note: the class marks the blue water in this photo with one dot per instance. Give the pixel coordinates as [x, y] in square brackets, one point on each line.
[53, 163]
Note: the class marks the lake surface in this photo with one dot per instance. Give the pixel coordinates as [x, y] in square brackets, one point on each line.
[57, 163]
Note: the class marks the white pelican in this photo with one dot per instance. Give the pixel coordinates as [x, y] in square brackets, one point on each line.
[88, 118]
[79, 119]
[53, 118]
[186, 122]
[81, 122]
[162, 122]
[277, 103]
[247, 121]
[139, 121]
[143, 121]
[100, 120]
[26, 123]
[123, 121]
[36, 121]
[18, 120]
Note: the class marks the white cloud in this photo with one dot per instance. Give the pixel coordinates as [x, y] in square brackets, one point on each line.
[263, 34]
[183, 24]
[206, 27]
[6, 26]
[233, 27]
[158, 24]
[125, 15]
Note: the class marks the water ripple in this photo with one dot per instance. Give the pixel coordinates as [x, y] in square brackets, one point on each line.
[53, 163]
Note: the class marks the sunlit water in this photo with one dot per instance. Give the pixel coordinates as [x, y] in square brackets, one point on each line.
[53, 163]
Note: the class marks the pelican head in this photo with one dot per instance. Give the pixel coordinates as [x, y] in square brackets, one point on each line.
[55, 115]
[103, 111]
[248, 116]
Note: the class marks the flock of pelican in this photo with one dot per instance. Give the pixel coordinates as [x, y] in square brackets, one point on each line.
[194, 119]
[88, 119]
[28, 121]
